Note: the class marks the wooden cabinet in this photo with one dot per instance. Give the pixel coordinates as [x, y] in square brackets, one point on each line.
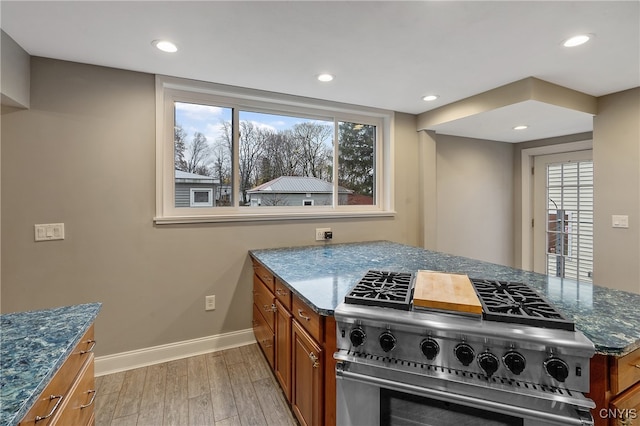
[264, 335]
[282, 367]
[299, 344]
[307, 386]
[68, 398]
[265, 302]
[310, 321]
[615, 388]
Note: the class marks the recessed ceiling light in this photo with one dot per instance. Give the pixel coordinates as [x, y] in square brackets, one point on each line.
[325, 77]
[430, 98]
[521, 127]
[576, 40]
[165, 46]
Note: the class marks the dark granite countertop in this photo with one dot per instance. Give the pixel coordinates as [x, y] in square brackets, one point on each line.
[323, 274]
[33, 346]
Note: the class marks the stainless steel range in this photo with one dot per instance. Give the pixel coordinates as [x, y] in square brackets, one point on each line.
[518, 363]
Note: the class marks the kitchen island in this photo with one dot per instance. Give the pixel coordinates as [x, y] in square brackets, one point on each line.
[320, 276]
[43, 353]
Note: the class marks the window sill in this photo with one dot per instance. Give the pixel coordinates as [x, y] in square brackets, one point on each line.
[258, 217]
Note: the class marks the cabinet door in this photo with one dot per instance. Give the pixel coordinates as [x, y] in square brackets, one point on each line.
[283, 349]
[307, 397]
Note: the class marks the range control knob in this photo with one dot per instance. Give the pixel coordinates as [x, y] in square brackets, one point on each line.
[488, 362]
[387, 341]
[464, 353]
[357, 337]
[430, 348]
[514, 361]
[557, 368]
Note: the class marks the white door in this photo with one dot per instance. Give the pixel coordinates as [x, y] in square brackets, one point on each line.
[563, 215]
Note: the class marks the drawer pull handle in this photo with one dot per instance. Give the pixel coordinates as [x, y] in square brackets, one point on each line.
[53, 410]
[281, 292]
[300, 314]
[271, 308]
[637, 366]
[93, 398]
[267, 343]
[314, 359]
[93, 345]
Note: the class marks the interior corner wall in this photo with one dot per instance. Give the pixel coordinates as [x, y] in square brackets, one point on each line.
[475, 198]
[84, 155]
[14, 76]
[616, 160]
[428, 189]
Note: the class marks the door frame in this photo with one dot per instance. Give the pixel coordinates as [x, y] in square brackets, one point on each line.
[526, 164]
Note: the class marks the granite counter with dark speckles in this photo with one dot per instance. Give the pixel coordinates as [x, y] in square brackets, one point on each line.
[33, 346]
[323, 274]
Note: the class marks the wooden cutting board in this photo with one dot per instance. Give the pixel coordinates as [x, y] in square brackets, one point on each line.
[446, 292]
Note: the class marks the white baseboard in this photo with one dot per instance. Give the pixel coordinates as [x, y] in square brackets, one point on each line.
[123, 361]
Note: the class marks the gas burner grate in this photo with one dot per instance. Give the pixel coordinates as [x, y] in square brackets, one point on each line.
[384, 289]
[518, 303]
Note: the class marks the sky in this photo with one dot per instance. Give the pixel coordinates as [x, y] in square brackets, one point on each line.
[208, 119]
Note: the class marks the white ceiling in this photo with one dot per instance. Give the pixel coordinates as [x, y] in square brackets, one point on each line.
[385, 54]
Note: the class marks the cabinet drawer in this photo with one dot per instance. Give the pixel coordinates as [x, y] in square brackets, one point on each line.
[60, 384]
[265, 302]
[283, 294]
[264, 335]
[264, 275]
[627, 406]
[625, 372]
[310, 320]
[79, 408]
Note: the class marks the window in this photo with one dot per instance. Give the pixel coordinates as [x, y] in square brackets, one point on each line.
[201, 197]
[250, 155]
[570, 220]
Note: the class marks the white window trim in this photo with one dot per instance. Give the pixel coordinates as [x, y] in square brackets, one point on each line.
[169, 89]
[194, 203]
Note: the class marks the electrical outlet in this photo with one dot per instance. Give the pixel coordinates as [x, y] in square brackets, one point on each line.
[323, 234]
[209, 303]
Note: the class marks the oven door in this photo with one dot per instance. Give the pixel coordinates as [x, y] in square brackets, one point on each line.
[365, 397]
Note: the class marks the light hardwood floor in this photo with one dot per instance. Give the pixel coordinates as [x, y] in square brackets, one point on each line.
[230, 387]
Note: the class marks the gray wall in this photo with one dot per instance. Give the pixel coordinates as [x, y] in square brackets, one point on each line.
[616, 162]
[84, 154]
[475, 198]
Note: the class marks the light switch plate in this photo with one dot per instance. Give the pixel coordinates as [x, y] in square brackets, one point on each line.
[49, 231]
[619, 221]
[209, 303]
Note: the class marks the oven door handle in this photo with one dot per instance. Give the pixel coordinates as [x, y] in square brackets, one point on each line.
[583, 416]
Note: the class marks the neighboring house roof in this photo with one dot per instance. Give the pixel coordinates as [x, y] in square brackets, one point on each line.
[296, 185]
[186, 177]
